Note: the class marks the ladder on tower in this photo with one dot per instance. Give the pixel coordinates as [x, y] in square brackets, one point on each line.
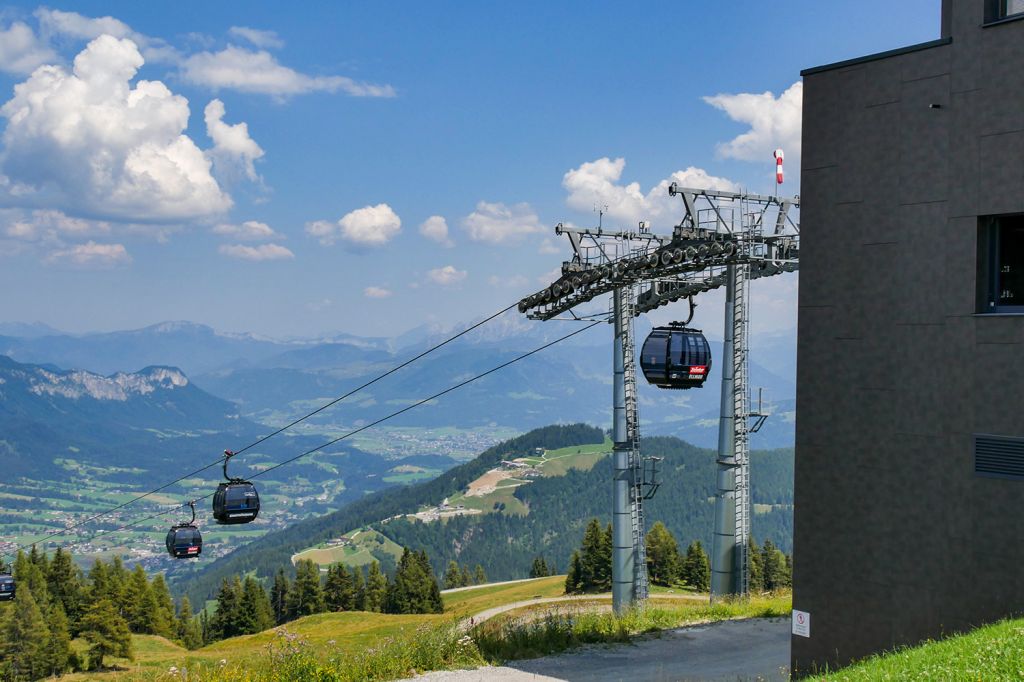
[741, 402]
[641, 586]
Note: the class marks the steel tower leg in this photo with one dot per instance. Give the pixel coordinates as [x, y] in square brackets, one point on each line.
[622, 544]
[724, 542]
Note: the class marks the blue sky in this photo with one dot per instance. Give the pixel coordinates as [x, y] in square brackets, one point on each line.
[124, 203]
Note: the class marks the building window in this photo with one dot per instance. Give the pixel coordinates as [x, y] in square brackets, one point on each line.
[1002, 264]
[1010, 7]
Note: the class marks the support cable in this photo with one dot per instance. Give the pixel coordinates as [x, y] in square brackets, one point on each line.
[334, 440]
[262, 439]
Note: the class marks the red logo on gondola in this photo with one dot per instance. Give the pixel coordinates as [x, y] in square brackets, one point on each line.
[193, 550]
[698, 369]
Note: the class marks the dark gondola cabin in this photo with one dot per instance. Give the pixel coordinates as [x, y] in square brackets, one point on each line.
[184, 542]
[675, 356]
[7, 587]
[235, 502]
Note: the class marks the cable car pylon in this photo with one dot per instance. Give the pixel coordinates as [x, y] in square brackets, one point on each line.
[724, 240]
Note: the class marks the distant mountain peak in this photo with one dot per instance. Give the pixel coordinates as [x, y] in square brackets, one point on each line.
[78, 384]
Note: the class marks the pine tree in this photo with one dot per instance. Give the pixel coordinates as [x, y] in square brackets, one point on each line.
[28, 572]
[256, 613]
[140, 607]
[414, 589]
[452, 576]
[663, 560]
[58, 646]
[539, 568]
[64, 583]
[279, 597]
[574, 578]
[117, 585]
[224, 623]
[339, 592]
[26, 638]
[306, 596]
[358, 589]
[189, 628]
[376, 588]
[776, 574]
[465, 577]
[756, 580]
[107, 633]
[596, 558]
[163, 621]
[696, 567]
[479, 576]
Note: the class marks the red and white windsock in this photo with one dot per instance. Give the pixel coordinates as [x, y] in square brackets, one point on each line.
[778, 166]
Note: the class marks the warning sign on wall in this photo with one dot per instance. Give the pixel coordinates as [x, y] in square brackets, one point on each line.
[801, 623]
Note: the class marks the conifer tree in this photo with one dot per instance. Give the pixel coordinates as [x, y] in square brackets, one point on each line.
[414, 589]
[224, 623]
[663, 560]
[696, 567]
[452, 576]
[574, 578]
[256, 614]
[140, 607]
[189, 628]
[339, 592]
[279, 597]
[26, 638]
[479, 575]
[358, 589]
[756, 567]
[465, 577]
[540, 568]
[776, 574]
[107, 633]
[164, 619]
[117, 584]
[28, 572]
[596, 558]
[306, 597]
[64, 583]
[58, 646]
[376, 588]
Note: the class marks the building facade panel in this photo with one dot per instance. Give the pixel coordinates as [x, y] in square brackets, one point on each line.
[905, 158]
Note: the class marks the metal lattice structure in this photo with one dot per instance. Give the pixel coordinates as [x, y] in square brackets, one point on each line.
[724, 240]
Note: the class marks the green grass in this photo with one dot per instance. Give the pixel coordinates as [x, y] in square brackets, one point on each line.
[558, 628]
[993, 652]
[466, 602]
[356, 554]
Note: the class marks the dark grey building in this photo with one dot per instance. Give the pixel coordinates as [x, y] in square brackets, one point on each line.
[910, 400]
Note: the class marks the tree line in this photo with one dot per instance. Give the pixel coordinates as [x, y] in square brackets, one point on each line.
[590, 567]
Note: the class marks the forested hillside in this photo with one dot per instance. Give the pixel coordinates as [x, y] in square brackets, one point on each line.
[506, 544]
[274, 551]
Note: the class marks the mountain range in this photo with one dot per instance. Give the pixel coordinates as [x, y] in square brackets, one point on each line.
[271, 380]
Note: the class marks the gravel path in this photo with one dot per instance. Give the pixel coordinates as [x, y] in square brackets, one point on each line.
[753, 649]
[480, 617]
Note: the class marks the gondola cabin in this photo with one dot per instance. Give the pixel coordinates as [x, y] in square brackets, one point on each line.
[7, 587]
[676, 357]
[235, 502]
[184, 542]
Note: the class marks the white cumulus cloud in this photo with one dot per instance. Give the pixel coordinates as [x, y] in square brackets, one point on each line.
[510, 282]
[21, 51]
[232, 146]
[51, 226]
[497, 223]
[256, 253]
[597, 183]
[257, 37]
[548, 247]
[92, 254]
[250, 230]
[446, 276]
[88, 142]
[367, 226]
[376, 292]
[54, 22]
[236, 68]
[435, 228]
[774, 122]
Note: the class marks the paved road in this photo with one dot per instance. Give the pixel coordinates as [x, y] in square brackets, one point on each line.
[754, 649]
